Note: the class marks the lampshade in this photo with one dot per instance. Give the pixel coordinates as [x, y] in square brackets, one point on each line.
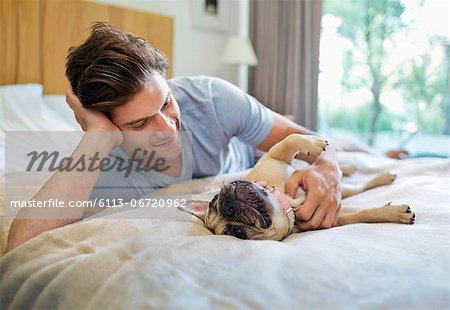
[239, 50]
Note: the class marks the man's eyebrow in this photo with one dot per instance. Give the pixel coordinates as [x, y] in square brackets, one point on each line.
[141, 119]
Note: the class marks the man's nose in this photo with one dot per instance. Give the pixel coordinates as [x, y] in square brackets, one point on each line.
[164, 123]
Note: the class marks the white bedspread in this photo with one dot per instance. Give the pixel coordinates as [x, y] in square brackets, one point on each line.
[175, 262]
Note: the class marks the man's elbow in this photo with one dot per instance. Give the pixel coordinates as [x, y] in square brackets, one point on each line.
[23, 230]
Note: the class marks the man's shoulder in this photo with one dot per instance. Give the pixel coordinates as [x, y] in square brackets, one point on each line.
[192, 80]
[193, 93]
[201, 86]
[195, 90]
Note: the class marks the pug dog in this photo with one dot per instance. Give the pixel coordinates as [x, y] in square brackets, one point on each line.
[257, 207]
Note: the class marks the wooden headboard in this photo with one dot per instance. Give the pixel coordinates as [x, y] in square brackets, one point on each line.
[35, 36]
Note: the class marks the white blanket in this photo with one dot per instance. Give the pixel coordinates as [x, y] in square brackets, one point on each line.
[175, 262]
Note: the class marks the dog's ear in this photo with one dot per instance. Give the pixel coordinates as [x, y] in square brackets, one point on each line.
[197, 208]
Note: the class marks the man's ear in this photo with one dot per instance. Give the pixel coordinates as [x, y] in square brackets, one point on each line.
[197, 208]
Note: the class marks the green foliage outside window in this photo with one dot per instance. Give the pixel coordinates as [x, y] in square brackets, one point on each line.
[374, 63]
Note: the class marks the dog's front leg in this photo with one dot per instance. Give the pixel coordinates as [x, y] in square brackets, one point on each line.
[293, 144]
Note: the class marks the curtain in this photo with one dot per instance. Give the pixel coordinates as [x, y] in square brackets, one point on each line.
[286, 35]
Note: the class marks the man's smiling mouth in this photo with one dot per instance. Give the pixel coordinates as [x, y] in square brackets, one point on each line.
[165, 143]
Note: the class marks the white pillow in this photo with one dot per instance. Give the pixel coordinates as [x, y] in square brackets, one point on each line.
[22, 109]
[58, 104]
[19, 104]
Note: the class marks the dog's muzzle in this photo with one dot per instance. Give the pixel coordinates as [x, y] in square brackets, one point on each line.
[282, 200]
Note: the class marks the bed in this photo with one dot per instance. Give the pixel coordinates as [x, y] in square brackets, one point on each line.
[133, 259]
[168, 259]
[128, 260]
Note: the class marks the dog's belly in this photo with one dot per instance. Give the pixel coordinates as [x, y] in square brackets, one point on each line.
[273, 171]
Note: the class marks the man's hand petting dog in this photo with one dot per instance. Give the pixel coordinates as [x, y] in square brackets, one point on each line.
[323, 195]
[262, 206]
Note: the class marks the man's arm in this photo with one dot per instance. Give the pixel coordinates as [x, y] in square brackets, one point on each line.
[65, 186]
[101, 137]
[321, 180]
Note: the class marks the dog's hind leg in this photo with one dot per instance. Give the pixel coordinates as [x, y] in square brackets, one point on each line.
[386, 214]
[381, 179]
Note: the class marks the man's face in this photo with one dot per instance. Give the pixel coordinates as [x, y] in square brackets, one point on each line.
[150, 121]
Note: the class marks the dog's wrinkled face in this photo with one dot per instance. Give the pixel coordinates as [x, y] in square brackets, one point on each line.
[247, 211]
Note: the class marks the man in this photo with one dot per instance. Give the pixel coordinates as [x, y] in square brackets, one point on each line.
[123, 103]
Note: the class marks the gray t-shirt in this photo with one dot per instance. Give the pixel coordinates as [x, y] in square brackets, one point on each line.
[223, 125]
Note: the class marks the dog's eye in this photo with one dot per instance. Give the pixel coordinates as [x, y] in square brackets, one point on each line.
[238, 233]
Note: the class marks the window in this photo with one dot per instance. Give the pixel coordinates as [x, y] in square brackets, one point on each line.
[384, 73]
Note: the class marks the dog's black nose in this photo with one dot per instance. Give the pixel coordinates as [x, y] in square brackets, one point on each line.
[229, 208]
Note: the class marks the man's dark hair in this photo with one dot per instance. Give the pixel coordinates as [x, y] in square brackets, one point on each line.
[111, 67]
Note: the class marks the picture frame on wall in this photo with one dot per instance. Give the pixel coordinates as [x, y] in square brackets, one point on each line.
[210, 15]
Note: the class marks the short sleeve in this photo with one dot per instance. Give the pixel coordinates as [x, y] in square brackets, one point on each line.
[114, 186]
[240, 114]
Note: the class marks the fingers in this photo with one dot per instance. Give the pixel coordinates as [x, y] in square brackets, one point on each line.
[317, 212]
[312, 201]
[75, 104]
[333, 206]
[323, 217]
[72, 100]
[322, 205]
[329, 218]
[294, 182]
[308, 208]
[315, 220]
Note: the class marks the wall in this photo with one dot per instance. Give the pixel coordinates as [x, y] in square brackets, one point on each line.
[196, 51]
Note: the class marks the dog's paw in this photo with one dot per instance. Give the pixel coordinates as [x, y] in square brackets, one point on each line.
[400, 214]
[306, 144]
[388, 177]
[315, 146]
